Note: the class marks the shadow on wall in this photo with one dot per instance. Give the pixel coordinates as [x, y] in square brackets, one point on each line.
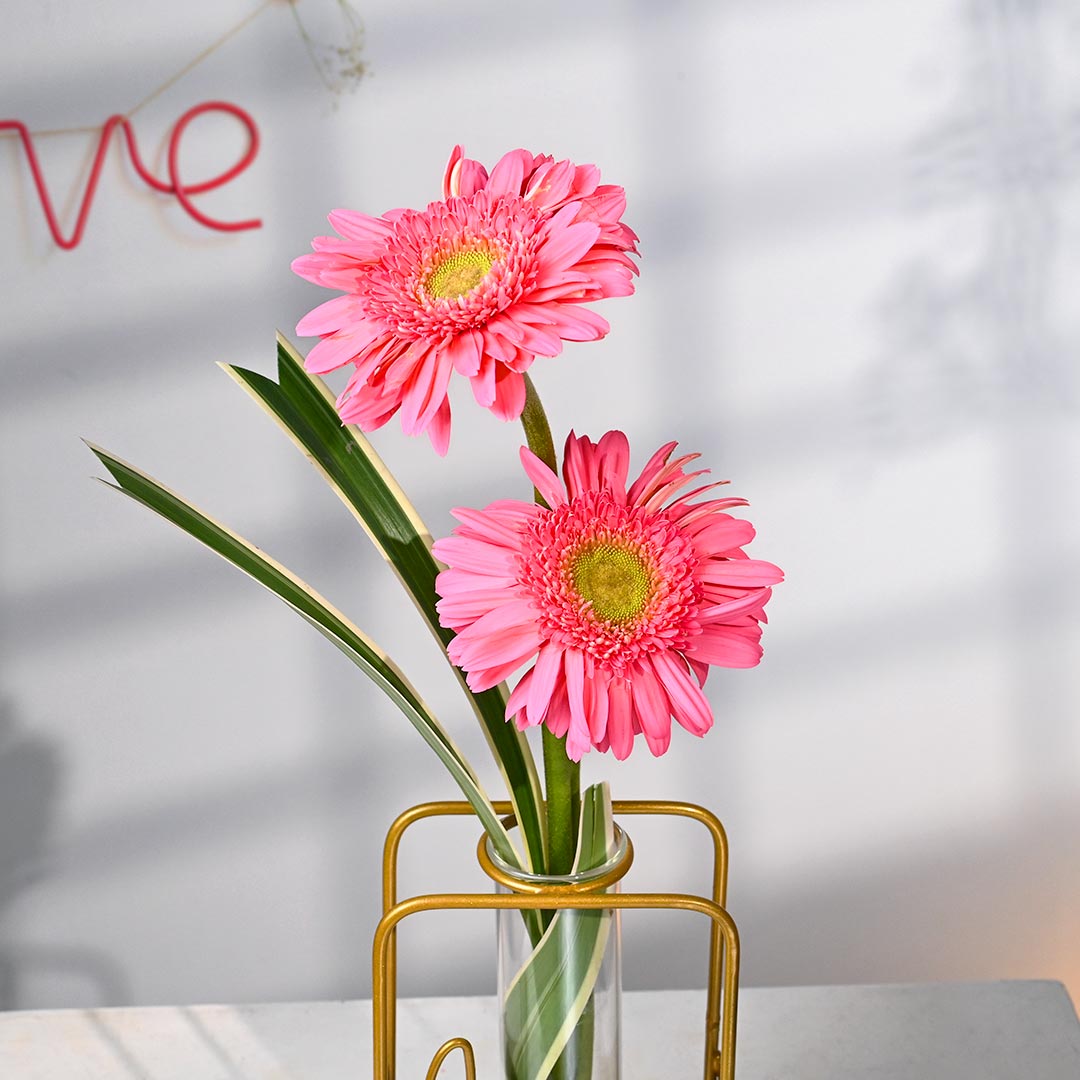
[973, 338]
[972, 334]
[956, 905]
[30, 781]
[959, 905]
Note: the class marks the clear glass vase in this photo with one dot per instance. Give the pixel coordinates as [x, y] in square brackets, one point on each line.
[559, 981]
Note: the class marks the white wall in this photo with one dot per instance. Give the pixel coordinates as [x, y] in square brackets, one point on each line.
[860, 228]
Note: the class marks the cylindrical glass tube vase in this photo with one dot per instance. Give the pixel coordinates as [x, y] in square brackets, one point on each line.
[559, 981]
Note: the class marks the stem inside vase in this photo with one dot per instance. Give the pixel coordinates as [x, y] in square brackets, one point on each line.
[560, 998]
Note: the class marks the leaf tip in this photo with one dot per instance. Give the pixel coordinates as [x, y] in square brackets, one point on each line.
[98, 452]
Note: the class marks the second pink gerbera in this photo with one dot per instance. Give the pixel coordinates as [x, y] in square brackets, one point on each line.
[622, 596]
[481, 283]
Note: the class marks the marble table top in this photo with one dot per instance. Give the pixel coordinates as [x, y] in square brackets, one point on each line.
[936, 1031]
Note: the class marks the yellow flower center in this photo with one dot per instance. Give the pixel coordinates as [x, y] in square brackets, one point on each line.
[614, 580]
[458, 274]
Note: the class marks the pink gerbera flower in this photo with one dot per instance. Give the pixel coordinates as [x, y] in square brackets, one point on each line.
[623, 597]
[481, 283]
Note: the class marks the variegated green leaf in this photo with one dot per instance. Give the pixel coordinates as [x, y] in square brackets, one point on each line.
[317, 611]
[545, 1007]
[303, 406]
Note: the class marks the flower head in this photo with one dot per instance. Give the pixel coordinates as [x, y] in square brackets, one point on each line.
[622, 596]
[481, 283]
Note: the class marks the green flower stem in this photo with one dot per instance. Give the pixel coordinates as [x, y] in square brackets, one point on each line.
[562, 781]
[562, 777]
[537, 430]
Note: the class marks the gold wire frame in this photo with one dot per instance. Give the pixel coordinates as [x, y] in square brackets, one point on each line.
[723, 975]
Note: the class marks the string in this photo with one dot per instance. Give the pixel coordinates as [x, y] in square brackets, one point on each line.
[169, 82]
[208, 51]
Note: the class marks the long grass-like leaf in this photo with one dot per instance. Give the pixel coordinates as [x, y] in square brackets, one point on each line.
[330, 622]
[544, 1010]
[303, 406]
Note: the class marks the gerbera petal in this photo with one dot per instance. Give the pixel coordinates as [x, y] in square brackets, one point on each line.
[438, 430]
[505, 327]
[539, 340]
[665, 473]
[721, 533]
[607, 203]
[513, 616]
[744, 572]
[613, 463]
[545, 677]
[402, 372]
[699, 668]
[514, 511]
[426, 391]
[596, 708]
[488, 659]
[479, 558]
[485, 525]
[688, 704]
[515, 704]
[329, 317]
[509, 394]
[675, 479]
[577, 742]
[739, 605]
[461, 609]
[577, 323]
[366, 406]
[499, 673]
[574, 673]
[369, 235]
[686, 515]
[557, 719]
[653, 467]
[464, 350]
[586, 177]
[333, 352]
[620, 725]
[544, 480]
[452, 174]
[658, 744]
[570, 285]
[330, 267]
[497, 347]
[550, 184]
[566, 243]
[577, 461]
[509, 173]
[724, 647]
[467, 178]
[651, 704]
[483, 382]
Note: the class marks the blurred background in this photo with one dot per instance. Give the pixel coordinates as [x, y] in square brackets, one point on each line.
[860, 234]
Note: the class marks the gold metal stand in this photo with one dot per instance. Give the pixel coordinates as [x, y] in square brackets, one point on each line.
[723, 977]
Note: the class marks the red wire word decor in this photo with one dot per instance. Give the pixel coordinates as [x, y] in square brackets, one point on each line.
[174, 186]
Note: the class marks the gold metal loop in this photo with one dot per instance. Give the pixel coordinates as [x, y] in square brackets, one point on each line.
[448, 1048]
[723, 979]
[720, 1041]
[589, 881]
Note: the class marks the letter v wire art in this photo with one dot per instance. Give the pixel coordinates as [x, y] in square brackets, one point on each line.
[723, 973]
